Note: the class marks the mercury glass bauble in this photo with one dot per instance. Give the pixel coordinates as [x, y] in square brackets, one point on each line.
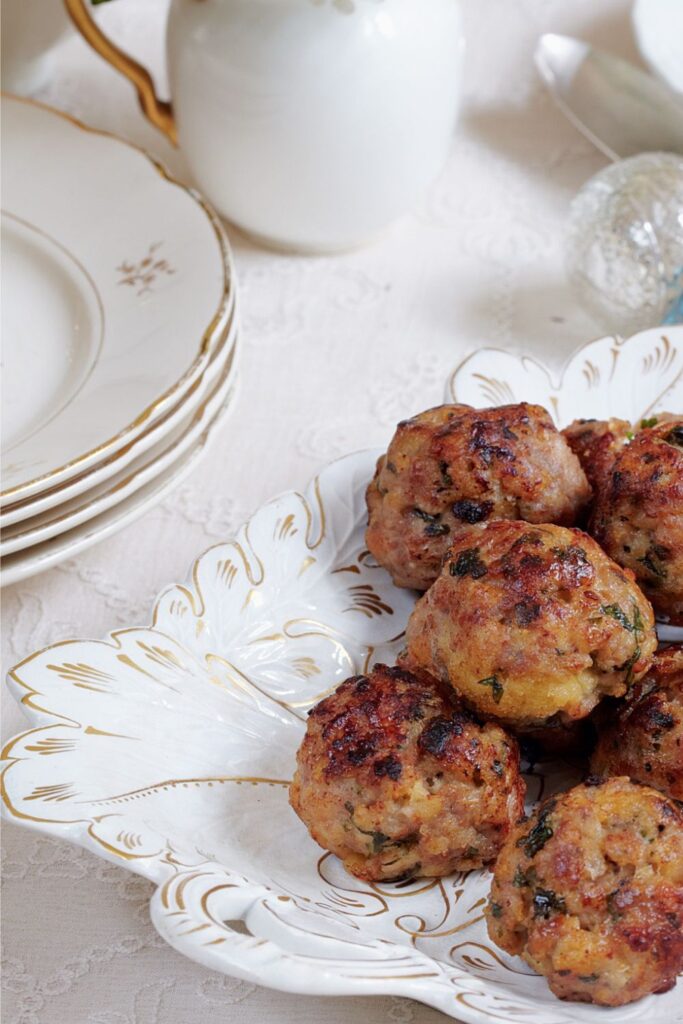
[625, 243]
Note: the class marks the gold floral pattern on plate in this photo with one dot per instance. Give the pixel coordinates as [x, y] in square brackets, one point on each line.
[142, 274]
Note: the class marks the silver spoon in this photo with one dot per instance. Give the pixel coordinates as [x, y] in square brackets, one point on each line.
[621, 109]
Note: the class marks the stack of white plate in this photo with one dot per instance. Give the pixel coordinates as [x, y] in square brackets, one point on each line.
[119, 335]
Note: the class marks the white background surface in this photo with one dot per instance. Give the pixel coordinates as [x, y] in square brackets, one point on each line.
[335, 351]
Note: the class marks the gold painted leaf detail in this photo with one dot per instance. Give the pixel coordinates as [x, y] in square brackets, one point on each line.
[52, 745]
[85, 676]
[496, 392]
[55, 793]
[366, 601]
[305, 667]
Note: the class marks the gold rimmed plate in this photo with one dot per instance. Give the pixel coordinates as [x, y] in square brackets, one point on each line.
[23, 515]
[117, 283]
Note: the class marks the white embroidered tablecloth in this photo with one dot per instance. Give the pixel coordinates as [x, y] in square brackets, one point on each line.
[335, 351]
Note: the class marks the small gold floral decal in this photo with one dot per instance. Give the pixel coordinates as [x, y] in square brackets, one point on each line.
[143, 274]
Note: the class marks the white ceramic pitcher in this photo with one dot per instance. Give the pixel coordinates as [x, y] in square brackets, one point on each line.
[311, 124]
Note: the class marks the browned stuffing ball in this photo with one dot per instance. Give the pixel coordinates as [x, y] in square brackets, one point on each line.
[642, 736]
[596, 444]
[453, 466]
[589, 892]
[397, 780]
[638, 514]
[530, 622]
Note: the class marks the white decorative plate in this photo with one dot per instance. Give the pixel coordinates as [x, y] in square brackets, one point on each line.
[630, 379]
[102, 496]
[168, 750]
[116, 282]
[19, 512]
[658, 28]
[39, 557]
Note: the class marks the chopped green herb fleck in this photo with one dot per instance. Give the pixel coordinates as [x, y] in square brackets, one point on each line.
[651, 421]
[522, 879]
[468, 563]
[445, 475]
[587, 979]
[628, 666]
[497, 689]
[617, 613]
[434, 527]
[546, 901]
[650, 564]
[539, 835]
[427, 516]
[379, 840]
[496, 910]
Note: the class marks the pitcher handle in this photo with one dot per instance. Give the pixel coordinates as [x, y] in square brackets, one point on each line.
[156, 110]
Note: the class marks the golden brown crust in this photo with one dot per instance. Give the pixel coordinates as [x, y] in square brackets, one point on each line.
[453, 466]
[638, 514]
[596, 444]
[589, 892]
[527, 622]
[642, 736]
[397, 780]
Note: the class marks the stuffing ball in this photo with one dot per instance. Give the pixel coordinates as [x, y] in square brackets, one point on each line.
[596, 444]
[642, 736]
[453, 466]
[638, 514]
[589, 892]
[397, 780]
[530, 622]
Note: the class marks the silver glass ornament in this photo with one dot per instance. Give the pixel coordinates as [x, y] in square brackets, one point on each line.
[624, 246]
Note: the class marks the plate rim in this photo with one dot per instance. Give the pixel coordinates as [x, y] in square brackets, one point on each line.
[556, 376]
[147, 415]
[114, 463]
[60, 523]
[130, 509]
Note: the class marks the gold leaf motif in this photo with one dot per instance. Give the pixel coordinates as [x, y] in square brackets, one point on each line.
[85, 676]
[496, 392]
[52, 745]
[662, 359]
[592, 374]
[227, 571]
[58, 792]
[367, 601]
[285, 528]
[305, 668]
[130, 840]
